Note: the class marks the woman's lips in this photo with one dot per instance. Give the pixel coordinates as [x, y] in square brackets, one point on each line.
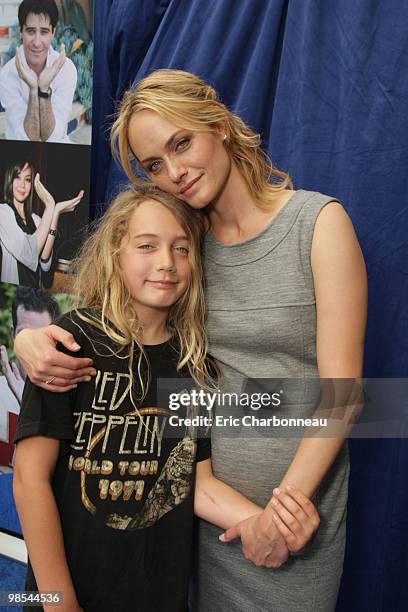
[190, 185]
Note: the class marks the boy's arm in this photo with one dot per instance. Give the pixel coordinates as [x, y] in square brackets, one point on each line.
[217, 502]
[35, 461]
[294, 515]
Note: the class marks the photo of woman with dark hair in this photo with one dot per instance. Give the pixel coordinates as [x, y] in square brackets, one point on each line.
[27, 239]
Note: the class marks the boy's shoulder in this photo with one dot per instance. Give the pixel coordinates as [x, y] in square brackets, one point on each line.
[82, 323]
[75, 319]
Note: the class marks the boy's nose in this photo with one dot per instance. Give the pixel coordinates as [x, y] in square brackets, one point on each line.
[166, 261]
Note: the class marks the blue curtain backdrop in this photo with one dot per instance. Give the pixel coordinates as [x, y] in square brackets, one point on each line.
[326, 84]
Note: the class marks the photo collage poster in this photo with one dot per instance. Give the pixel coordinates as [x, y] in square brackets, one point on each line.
[46, 82]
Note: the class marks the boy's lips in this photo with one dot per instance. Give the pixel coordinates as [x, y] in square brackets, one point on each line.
[165, 284]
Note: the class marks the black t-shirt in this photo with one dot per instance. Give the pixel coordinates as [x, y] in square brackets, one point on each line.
[123, 486]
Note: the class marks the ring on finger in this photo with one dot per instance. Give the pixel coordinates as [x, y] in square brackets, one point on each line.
[49, 380]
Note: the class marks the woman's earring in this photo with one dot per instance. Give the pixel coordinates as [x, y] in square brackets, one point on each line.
[224, 138]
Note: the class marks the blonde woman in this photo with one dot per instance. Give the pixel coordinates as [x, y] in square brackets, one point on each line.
[101, 481]
[286, 294]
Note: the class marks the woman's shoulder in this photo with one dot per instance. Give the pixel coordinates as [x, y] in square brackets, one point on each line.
[8, 218]
[5, 209]
[314, 204]
[310, 195]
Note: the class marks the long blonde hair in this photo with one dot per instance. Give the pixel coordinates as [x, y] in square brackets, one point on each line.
[190, 103]
[100, 288]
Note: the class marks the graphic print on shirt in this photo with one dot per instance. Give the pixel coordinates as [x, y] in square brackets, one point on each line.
[119, 451]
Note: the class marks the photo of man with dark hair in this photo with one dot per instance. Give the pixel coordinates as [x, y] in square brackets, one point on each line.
[37, 86]
[31, 308]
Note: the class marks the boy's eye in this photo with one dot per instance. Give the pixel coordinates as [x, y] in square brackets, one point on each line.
[182, 250]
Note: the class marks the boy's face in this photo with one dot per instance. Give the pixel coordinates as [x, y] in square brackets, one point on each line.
[154, 260]
[36, 34]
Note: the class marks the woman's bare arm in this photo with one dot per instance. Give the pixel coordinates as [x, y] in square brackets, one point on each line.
[60, 208]
[341, 302]
[340, 282]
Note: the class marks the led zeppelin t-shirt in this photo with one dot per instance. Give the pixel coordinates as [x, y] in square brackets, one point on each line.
[124, 487]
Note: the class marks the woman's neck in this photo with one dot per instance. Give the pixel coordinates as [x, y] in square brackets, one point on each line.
[235, 215]
[19, 206]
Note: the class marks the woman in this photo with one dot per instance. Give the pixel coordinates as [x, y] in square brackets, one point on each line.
[286, 291]
[26, 239]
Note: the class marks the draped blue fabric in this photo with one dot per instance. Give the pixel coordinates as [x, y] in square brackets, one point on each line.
[325, 83]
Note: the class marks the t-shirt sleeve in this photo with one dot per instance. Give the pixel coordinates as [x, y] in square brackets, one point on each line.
[44, 413]
[203, 449]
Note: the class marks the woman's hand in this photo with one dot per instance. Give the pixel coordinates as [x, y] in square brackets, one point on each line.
[291, 514]
[295, 516]
[262, 543]
[69, 205]
[35, 349]
[44, 195]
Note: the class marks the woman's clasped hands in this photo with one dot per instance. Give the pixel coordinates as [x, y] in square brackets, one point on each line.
[283, 528]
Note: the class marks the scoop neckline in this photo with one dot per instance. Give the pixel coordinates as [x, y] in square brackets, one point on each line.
[219, 245]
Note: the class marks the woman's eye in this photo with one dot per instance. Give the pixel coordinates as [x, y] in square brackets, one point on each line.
[182, 144]
[154, 167]
[145, 247]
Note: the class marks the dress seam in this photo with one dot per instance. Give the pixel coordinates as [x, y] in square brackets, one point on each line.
[269, 307]
[303, 343]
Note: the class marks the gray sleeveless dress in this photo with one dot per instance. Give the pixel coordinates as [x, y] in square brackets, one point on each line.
[262, 323]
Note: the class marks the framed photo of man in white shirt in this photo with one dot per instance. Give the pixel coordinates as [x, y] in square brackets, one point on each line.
[38, 85]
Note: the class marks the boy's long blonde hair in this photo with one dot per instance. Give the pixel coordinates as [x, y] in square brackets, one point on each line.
[101, 290]
[189, 103]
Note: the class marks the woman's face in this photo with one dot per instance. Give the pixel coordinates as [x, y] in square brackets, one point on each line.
[22, 185]
[194, 166]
